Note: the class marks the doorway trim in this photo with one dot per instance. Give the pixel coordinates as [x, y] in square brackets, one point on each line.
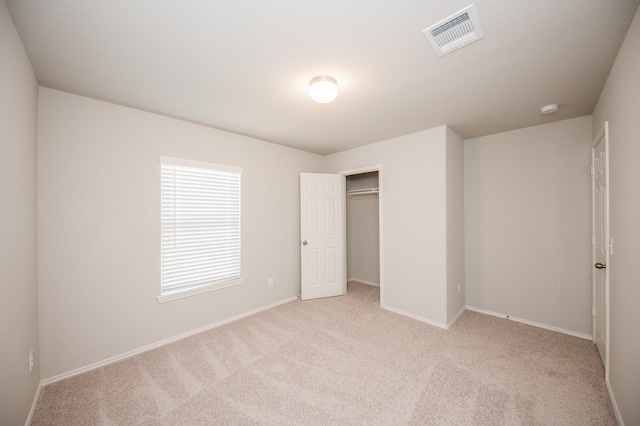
[367, 169]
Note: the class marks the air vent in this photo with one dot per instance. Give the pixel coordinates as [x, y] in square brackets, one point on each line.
[454, 32]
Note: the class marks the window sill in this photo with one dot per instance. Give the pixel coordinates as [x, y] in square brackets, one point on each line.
[204, 289]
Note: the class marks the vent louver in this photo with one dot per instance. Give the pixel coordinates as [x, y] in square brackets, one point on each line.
[454, 32]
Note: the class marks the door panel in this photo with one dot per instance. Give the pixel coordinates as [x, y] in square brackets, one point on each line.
[332, 264]
[602, 241]
[322, 235]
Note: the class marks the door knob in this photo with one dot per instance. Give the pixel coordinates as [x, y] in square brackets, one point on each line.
[600, 266]
[304, 243]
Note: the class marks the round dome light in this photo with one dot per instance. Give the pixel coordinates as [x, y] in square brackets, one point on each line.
[549, 109]
[323, 89]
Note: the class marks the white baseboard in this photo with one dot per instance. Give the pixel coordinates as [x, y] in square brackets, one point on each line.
[533, 323]
[426, 320]
[458, 315]
[158, 344]
[415, 317]
[33, 405]
[364, 282]
[616, 410]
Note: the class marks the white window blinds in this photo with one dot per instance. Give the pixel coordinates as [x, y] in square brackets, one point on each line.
[200, 226]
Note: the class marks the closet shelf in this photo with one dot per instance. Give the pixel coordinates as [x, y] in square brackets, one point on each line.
[362, 191]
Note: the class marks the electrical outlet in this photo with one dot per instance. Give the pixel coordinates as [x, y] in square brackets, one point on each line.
[270, 283]
[31, 361]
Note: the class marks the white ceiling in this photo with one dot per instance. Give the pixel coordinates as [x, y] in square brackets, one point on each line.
[244, 65]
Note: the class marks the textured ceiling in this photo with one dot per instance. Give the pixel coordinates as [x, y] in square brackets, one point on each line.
[244, 65]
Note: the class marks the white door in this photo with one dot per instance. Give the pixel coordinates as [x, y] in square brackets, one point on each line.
[602, 245]
[322, 238]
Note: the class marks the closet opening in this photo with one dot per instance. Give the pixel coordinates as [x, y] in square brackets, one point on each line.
[363, 223]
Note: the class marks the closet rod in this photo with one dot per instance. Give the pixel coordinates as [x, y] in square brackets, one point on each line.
[363, 191]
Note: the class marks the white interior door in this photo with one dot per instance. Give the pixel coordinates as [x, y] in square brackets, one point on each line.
[322, 240]
[602, 244]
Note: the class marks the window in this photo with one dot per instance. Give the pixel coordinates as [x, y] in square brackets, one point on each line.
[200, 227]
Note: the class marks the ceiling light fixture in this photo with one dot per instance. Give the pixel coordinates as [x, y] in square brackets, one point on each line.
[323, 89]
[549, 109]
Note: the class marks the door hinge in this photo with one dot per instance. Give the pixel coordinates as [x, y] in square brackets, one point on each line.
[611, 247]
[593, 240]
[593, 311]
[593, 171]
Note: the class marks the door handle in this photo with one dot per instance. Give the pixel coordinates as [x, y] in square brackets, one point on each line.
[600, 266]
[304, 243]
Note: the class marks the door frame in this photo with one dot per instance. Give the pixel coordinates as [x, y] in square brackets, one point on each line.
[367, 169]
[603, 135]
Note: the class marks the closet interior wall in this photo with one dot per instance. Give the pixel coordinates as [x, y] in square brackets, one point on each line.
[363, 237]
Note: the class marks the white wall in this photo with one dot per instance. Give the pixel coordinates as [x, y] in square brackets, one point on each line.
[619, 103]
[363, 242]
[455, 226]
[528, 224]
[413, 211]
[98, 218]
[18, 278]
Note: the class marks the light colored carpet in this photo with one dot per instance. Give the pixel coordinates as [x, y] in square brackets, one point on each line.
[344, 361]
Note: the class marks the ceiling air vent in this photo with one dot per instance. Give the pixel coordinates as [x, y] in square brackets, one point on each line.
[454, 32]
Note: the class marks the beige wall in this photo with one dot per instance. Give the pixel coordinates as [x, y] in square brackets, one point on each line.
[363, 242]
[18, 279]
[98, 218]
[455, 226]
[413, 211]
[619, 103]
[528, 224]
